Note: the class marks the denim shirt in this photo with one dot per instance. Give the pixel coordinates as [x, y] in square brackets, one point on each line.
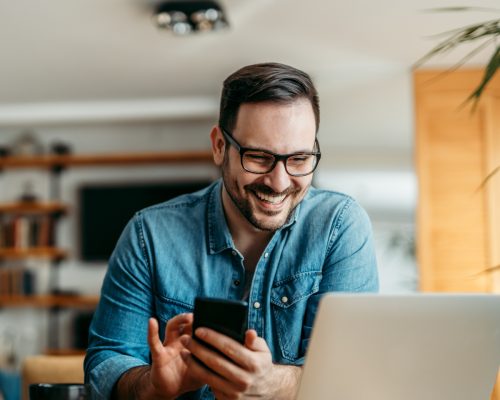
[172, 252]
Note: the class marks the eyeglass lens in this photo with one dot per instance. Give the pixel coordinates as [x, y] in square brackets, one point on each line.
[262, 162]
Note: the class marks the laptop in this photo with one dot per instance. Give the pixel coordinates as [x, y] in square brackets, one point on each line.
[403, 347]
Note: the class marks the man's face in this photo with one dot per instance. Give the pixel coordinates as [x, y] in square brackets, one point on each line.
[266, 201]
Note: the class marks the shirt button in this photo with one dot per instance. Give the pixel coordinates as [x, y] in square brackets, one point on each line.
[284, 299]
[236, 282]
[234, 252]
[256, 305]
[266, 254]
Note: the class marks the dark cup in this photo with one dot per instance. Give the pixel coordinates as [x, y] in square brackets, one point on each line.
[59, 391]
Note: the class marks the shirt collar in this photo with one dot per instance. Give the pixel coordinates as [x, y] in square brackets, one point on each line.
[219, 236]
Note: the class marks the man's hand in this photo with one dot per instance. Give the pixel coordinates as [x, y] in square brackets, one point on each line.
[168, 376]
[169, 373]
[245, 371]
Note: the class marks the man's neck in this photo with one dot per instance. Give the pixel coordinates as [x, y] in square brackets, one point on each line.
[249, 240]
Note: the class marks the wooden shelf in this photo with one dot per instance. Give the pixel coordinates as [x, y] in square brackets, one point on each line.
[50, 253]
[33, 208]
[50, 161]
[65, 352]
[48, 301]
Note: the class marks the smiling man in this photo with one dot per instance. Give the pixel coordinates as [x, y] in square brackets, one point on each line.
[261, 234]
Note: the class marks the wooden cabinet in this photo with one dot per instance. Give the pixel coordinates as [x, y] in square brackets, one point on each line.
[458, 216]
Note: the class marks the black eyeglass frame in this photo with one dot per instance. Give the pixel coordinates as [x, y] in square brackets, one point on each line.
[277, 157]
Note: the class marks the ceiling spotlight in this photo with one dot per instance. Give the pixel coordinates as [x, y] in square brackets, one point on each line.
[186, 16]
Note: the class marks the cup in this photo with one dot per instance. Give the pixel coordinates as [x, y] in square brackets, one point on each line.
[59, 391]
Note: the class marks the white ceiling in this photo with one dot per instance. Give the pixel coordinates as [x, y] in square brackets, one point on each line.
[60, 51]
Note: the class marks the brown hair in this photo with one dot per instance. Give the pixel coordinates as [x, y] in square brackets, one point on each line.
[271, 82]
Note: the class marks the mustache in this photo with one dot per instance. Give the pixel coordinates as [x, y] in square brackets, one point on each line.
[258, 187]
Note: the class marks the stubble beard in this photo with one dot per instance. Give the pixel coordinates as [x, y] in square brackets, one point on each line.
[245, 207]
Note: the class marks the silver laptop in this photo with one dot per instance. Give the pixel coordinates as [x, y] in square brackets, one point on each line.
[403, 347]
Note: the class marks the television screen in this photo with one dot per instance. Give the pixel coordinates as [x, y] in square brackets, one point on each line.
[106, 209]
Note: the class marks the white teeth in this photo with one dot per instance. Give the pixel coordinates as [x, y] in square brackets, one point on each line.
[273, 199]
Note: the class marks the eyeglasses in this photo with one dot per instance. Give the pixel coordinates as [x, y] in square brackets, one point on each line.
[259, 161]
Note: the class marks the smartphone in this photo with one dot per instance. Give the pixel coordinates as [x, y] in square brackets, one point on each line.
[228, 317]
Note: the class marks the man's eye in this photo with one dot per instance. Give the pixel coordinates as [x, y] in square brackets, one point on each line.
[299, 159]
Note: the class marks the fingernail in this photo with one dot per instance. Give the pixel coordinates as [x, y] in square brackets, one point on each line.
[201, 333]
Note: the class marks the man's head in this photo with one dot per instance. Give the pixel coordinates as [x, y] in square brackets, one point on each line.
[267, 130]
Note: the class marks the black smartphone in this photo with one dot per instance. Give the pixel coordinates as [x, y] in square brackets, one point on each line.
[228, 317]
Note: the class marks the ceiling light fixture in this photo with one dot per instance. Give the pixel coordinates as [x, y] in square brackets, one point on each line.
[183, 17]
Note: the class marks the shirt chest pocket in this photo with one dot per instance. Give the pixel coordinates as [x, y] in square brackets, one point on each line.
[167, 308]
[289, 299]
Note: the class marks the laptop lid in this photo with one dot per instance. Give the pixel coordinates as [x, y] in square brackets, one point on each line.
[403, 347]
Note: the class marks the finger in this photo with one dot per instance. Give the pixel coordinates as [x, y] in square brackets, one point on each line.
[155, 344]
[177, 326]
[219, 364]
[254, 342]
[187, 329]
[203, 374]
[229, 347]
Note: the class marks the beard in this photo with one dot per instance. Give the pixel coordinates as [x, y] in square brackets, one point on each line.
[269, 220]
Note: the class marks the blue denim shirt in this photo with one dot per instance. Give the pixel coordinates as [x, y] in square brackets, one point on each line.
[172, 252]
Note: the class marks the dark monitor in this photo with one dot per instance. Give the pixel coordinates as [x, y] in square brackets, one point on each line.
[105, 209]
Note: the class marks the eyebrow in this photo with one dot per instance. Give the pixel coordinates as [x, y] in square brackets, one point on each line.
[274, 152]
[225, 132]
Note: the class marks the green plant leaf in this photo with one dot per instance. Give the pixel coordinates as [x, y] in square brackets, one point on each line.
[462, 61]
[490, 270]
[489, 72]
[466, 34]
[487, 179]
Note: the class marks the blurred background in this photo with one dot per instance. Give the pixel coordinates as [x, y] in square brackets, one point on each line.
[100, 78]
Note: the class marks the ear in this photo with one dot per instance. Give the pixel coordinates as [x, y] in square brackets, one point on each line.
[218, 145]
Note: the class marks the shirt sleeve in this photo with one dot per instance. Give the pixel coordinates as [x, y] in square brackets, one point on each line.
[118, 332]
[350, 264]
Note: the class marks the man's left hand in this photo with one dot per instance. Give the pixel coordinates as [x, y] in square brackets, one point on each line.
[246, 371]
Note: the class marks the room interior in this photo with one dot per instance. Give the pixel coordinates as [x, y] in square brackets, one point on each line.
[128, 105]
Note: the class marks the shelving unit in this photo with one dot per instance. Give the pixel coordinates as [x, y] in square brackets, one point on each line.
[56, 161]
[49, 301]
[55, 166]
[34, 208]
[47, 253]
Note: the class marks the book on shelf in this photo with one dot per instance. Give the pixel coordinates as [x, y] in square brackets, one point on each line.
[25, 231]
[16, 281]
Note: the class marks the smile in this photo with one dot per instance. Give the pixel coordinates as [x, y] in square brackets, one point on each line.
[270, 198]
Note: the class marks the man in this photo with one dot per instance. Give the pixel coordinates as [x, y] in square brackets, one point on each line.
[261, 234]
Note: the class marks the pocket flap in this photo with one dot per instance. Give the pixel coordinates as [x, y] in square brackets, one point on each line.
[168, 308]
[287, 292]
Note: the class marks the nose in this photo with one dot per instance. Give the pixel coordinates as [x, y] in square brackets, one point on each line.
[278, 179]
